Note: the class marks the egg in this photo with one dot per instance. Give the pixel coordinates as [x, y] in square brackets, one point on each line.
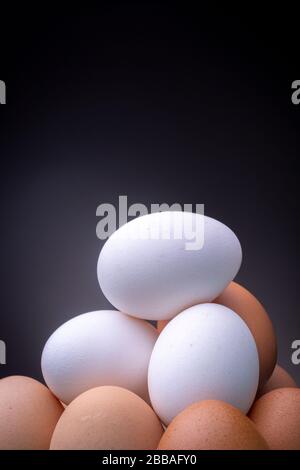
[279, 379]
[241, 301]
[98, 348]
[276, 415]
[211, 425]
[205, 352]
[107, 418]
[159, 264]
[161, 324]
[28, 414]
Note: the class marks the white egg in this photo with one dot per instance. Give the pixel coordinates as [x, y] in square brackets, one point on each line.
[159, 264]
[98, 348]
[206, 352]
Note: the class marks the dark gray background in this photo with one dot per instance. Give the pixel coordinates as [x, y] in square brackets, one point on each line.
[160, 104]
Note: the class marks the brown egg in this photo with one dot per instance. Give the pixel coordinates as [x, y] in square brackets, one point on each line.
[279, 379]
[161, 324]
[276, 415]
[211, 425]
[107, 418]
[28, 414]
[241, 301]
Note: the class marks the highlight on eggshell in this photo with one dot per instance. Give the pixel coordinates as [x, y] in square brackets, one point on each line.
[28, 414]
[156, 277]
[279, 379]
[242, 302]
[211, 425]
[205, 352]
[104, 347]
[107, 418]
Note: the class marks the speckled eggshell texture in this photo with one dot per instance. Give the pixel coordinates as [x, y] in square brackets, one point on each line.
[109, 418]
[212, 425]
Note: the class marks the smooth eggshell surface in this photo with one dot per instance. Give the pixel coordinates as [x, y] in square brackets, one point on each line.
[241, 301]
[147, 268]
[279, 379]
[98, 348]
[206, 352]
[28, 414]
[276, 415]
[107, 418]
[212, 425]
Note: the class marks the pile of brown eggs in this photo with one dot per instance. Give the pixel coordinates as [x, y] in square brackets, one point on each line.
[111, 417]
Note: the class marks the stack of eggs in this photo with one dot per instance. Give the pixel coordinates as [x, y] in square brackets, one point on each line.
[117, 382]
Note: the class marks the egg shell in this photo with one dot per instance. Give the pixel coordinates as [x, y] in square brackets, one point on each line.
[211, 425]
[107, 418]
[98, 348]
[28, 414]
[276, 415]
[155, 279]
[241, 301]
[279, 379]
[161, 324]
[205, 352]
